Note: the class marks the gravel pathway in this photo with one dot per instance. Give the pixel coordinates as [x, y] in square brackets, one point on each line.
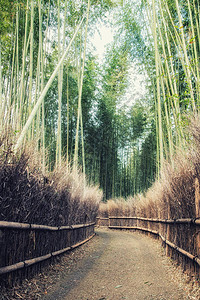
[120, 265]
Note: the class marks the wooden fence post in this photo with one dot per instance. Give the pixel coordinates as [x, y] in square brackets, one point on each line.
[197, 207]
[159, 226]
[168, 249]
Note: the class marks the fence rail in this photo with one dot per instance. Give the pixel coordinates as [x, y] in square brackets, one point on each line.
[25, 248]
[16, 225]
[195, 221]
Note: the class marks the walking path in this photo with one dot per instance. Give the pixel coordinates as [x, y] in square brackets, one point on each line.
[121, 265]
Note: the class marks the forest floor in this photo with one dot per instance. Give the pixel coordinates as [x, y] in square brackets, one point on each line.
[114, 265]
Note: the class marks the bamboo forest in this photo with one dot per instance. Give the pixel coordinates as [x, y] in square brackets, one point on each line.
[99, 130]
[79, 110]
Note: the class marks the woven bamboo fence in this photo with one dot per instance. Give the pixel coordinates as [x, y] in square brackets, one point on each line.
[26, 248]
[103, 222]
[180, 237]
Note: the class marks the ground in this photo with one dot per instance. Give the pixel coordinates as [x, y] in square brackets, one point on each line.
[114, 265]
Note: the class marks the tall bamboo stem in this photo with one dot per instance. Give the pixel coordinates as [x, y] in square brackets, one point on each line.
[80, 93]
[30, 65]
[46, 88]
[1, 96]
[160, 133]
[59, 133]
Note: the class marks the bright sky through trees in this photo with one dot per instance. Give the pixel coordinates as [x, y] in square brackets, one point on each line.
[136, 89]
[103, 36]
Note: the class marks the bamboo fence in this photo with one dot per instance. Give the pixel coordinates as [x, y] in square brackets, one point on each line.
[103, 222]
[180, 237]
[26, 248]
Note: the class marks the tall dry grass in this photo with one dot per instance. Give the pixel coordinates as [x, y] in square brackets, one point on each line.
[117, 207]
[57, 198]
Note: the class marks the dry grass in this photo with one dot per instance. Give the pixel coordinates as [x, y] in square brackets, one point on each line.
[103, 210]
[58, 198]
[117, 207]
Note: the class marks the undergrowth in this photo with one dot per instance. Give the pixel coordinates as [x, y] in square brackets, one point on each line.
[58, 198]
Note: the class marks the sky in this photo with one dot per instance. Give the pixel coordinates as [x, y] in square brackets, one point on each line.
[102, 37]
[137, 84]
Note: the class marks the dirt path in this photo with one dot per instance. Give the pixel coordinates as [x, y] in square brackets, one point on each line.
[120, 265]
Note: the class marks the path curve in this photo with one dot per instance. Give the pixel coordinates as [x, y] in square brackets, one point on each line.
[121, 265]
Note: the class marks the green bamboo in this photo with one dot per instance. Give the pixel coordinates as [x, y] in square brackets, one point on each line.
[46, 34]
[59, 138]
[42, 87]
[35, 128]
[197, 14]
[30, 64]
[196, 58]
[168, 123]
[60, 85]
[1, 95]
[162, 71]
[11, 83]
[80, 95]
[82, 142]
[171, 76]
[182, 50]
[22, 85]
[16, 79]
[188, 65]
[160, 133]
[67, 118]
[43, 93]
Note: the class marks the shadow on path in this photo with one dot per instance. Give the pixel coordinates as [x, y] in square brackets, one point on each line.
[71, 279]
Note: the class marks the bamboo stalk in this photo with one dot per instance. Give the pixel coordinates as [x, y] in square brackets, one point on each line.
[8, 105]
[151, 14]
[196, 59]
[22, 85]
[43, 93]
[60, 86]
[30, 66]
[80, 95]
[188, 65]
[83, 148]
[182, 49]
[160, 131]
[42, 55]
[170, 76]
[16, 77]
[67, 117]
[46, 33]
[1, 96]
[59, 133]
